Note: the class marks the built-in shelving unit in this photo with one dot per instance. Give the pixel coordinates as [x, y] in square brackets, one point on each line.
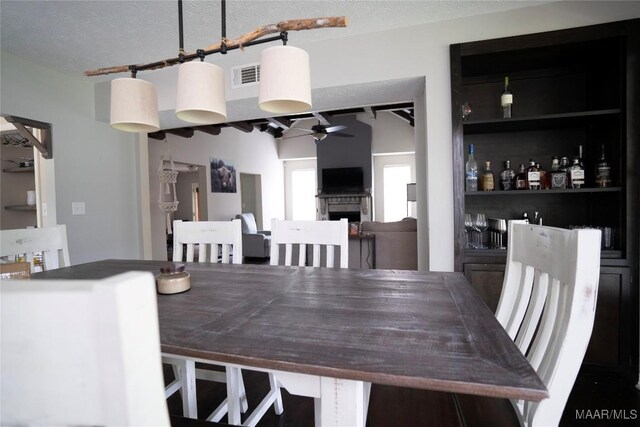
[571, 88]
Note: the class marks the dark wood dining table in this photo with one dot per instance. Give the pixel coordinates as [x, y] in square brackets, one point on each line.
[328, 333]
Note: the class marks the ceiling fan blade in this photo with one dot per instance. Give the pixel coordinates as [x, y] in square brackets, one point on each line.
[308, 130]
[344, 135]
[294, 136]
[335, 128]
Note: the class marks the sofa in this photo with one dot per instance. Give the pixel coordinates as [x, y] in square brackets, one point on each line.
[255, 243]
[396, 244]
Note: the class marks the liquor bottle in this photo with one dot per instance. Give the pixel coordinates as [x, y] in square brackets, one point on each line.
[580, 158]
[576, 174]
[557, 177]
[471, 171]
[543, 177]
[533, 176]
[603, 171]
[506, 100]
[507, 177]
[521, 178]
[488, 180]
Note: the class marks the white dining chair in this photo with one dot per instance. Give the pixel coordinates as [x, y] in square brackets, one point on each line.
[319, 234]
[516, 286]
[554, 273]
[27, 243]
[213, 241]
[219, 239]
[83, 352]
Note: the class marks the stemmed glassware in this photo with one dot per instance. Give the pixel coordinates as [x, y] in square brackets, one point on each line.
[480, 224]
[468, 229]
[501, 228]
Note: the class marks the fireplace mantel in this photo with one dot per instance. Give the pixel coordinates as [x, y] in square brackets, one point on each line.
[349, 203]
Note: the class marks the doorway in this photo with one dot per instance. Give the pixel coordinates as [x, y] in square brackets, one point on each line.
[251, 196]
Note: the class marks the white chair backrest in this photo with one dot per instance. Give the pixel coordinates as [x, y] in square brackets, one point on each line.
[554, 273]
[511, 300]
[208, 236]
[316, 233]
[81, 352]
[51, 242]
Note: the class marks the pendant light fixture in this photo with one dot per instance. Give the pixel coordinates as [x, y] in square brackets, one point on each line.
[284, 88]
[134, 105]
[201, 98]
[285, 84]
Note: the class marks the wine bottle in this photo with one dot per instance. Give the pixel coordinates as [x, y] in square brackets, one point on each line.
[506, 100]
[488, 179]
[471, 171]
[507, 177]
[603, 171]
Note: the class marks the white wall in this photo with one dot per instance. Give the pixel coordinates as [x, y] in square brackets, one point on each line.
[93, 163]
[252, 153]
[390, 133]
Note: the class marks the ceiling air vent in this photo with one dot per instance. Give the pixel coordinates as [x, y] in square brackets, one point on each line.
[245, 75]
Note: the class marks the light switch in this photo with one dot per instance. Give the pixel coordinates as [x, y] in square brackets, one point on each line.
[44, 209]
[77, 208]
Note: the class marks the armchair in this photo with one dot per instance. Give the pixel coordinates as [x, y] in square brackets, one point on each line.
[255, 243]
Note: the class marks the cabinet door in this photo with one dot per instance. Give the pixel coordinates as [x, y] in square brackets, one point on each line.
[610, 339]
[486, 279]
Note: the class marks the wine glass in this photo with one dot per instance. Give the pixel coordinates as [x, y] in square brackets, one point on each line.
[480, 224]
[501, 227]
[468, 229]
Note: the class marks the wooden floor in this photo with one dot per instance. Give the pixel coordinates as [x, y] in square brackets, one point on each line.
[393, 406]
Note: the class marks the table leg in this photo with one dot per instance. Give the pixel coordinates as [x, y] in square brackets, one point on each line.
[233, 397]
[341, 403]
[188, 387]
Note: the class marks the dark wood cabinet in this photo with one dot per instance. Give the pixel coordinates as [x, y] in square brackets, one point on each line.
[571, 88]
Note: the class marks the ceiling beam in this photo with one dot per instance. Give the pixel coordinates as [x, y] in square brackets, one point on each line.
[281, 122]
[157, 135]
[243, 126]
[322, 118]
[371, 112]
[403, 114]
[210, 129]
[183, 132]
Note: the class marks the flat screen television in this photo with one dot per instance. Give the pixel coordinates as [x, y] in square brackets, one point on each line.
[342, 180]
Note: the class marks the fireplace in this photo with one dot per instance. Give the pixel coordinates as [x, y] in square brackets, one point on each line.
[354, 207]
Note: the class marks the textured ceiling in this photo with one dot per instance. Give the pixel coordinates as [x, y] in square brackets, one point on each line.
[74, 36]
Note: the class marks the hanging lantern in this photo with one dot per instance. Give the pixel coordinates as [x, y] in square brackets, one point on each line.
[168, 179]
[134, 105]
[201, 96]
[285, 83]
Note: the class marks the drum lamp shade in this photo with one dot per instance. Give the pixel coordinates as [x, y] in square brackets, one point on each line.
[134, 105]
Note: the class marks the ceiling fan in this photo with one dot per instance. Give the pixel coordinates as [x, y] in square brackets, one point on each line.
[320, 132]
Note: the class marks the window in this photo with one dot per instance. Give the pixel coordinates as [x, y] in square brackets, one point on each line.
[395, 179]
[303, 192]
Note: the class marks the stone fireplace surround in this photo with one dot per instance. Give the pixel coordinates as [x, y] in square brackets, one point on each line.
[354, 207]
